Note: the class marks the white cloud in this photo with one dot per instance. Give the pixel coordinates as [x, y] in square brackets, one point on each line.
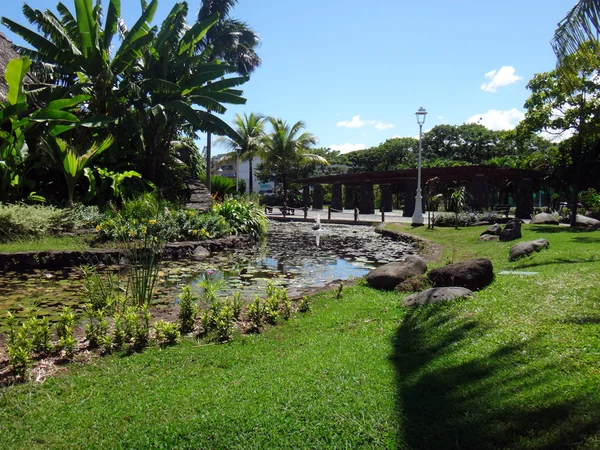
[499, 78]
[498, 120]
[383, 126]
[345, 148]
[354, 123]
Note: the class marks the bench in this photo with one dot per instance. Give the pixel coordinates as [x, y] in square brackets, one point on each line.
[286, 210]
[501, 209]
[268, 210]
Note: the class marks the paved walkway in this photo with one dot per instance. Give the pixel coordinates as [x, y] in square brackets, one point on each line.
[346, 215]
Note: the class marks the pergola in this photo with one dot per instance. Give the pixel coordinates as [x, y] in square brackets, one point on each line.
[359, 187]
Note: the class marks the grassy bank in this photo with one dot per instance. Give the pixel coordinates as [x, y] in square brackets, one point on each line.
[58, 243]
[518, 367]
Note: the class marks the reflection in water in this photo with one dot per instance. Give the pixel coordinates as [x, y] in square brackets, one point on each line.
[289, 257]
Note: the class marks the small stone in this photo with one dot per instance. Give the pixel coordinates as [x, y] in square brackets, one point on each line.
[437, 295]
[200, 253]
[489, 237]
[526, 248]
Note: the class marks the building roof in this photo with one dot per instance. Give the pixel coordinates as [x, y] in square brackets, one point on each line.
[443, 173]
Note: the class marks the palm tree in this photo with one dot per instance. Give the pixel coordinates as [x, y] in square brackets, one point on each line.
[231, 41]
[285, 149]
[246, 142]
[580, 26]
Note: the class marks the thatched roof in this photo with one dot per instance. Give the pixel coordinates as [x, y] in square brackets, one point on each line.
[7, 52]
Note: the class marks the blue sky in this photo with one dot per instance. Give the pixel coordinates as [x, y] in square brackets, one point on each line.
[356, 72]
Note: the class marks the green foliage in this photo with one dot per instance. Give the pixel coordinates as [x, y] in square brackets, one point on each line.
[40, 334]
[256, 313]
[166, 334]
[285, 305]
[65, 331]
[188, 310]
[100, 292]
[459, 201]
[132, 328]
[236, 305]
[221, 186]
[243, 216]
[19, 352]
[305, 305]
[97, 331]
[218, 321]
[19, 221]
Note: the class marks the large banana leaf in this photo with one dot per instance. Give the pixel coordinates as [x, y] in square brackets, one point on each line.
[16, 70]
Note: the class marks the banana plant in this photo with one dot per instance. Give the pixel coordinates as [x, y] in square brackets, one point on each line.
[71, 162]
[15, 123]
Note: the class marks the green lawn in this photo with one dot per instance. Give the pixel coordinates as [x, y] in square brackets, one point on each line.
[517, 367]
[44, 244]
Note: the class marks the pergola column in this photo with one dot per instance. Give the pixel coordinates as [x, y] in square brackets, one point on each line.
[317, 196]
[410, 191]
[366, 200]
[386, 197]
[306, 195]
[336, 196]
[524, 199]
[349, 203]
[480, 198]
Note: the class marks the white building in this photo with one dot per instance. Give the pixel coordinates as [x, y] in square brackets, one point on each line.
[229, 169]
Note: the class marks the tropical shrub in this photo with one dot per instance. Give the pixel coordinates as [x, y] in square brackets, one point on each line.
[64, 330]
[20, 221]
[188, 310]
[221, 186]
[463, 219]
[243, 217]
[166, 334]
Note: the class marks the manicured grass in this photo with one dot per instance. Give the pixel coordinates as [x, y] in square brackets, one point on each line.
[517, 367]
[47, 243]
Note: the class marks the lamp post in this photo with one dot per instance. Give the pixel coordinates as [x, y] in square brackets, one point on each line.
[237, 167]
[417, 218]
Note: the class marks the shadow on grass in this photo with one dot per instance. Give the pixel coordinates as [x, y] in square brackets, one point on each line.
[450, 399]
[556, 229]
[523, 263]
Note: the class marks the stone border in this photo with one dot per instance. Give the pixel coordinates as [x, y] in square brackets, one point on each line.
[428, 250]
[59, 259]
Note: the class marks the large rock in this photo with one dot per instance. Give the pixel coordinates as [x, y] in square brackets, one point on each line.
[588, 223]
[526, 248]
[392, 274]
[472, 274]
[544, 219]
[512, 231]
[436, 295]
[494, 230]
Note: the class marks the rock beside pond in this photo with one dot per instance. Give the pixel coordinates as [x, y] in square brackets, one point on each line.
[436, 295]
[526, 248]
[392, 274]
[512, 231]
[544, 219]
[200, 254]
[588, 223]
[493, 230]
[489, 237]
[473, 274]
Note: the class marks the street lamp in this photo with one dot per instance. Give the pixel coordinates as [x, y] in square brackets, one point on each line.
[237, 167]
[417, 218]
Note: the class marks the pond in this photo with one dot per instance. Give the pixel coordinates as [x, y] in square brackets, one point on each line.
[289, 257]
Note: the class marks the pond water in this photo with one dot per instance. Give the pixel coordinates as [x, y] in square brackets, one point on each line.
[289, 257]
